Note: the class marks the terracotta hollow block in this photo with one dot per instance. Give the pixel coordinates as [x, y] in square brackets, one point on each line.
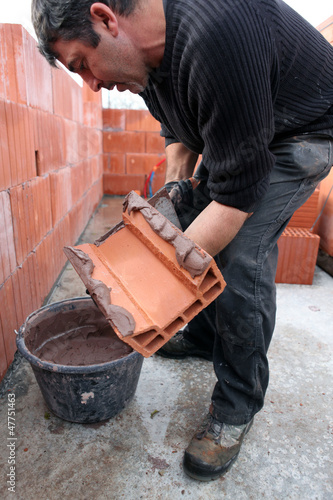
[10, 125]
[122, 184]
[7, 246]
[142, 163]
[2, 64]
[155, 143]
[141, 121]
[18, 52]
[114, 119]
[8, 319]
[9, 58]
[298, 250]
[17, 297]
[3, 358]
[141, 276]
[5, 174]
[123, 142]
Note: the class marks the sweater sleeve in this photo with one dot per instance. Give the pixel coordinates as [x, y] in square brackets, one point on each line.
[230, 92]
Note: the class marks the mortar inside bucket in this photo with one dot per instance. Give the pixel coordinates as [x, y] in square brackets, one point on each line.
[85, 372]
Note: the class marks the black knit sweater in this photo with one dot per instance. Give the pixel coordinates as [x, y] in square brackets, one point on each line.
[236, 76]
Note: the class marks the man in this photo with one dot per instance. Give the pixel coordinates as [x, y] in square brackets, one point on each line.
[249, 85]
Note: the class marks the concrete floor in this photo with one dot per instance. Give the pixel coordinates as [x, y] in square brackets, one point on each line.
[287, 455]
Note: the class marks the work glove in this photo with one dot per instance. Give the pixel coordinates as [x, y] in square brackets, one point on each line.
[182, 197]
[181, 192]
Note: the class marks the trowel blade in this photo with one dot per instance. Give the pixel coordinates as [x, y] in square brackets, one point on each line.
[162, 202]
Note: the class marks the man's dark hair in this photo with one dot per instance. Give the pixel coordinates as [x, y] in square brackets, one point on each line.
[69, 20]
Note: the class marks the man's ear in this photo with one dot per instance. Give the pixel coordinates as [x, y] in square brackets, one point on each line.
[101, 13]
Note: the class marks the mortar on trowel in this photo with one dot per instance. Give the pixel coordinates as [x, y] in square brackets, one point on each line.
[147, 280]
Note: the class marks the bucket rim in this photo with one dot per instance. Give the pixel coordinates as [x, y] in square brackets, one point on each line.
[57, 368]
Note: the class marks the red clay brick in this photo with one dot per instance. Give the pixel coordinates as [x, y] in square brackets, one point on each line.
[97, 167]
[42, 206]
[71, 142]
[25, 285]
[18, 51]
[114, 163]
[92, 114]
[114, 119]
[37, 70]
[29, 144]
[298, 250]
[61, 194]
[7, 248]
[19, 226]
[2, 65]
[141, 259]
[123, 142]
[11, 143]
[31, 264]
[89, 95]
[28, 216]
[67, 96]
[141, 163]
[324, 226]
[3, 358]
[41, 270]
[155, 143]
[123, 184]
[141, 120]
[8, 319]
[18, 135]
[17, 297]
[10, 82]
[5, 174]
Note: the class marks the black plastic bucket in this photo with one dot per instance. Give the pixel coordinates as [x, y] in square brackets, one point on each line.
[83, 394]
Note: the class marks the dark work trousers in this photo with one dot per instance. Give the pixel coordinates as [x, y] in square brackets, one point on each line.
[239, 324]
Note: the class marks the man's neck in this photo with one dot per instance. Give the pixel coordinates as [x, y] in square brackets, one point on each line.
[146, 27]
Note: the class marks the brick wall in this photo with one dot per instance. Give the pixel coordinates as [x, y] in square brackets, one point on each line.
[50, 176]
[132, 146]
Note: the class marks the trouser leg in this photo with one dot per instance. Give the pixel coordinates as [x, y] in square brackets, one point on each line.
[245, 311]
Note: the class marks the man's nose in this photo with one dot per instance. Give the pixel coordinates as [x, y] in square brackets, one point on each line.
[94, 83]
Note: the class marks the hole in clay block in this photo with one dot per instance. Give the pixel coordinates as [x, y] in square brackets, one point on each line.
[213, 292]
[174, 326]
[193, 309]
[144, 338]
[208, 281]
[156, 343]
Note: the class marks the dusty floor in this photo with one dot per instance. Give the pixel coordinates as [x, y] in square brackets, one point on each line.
[287, 455]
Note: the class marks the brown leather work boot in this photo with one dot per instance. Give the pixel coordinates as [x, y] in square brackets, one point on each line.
[213, 449]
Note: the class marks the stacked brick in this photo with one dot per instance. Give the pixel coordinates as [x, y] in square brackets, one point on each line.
[298, 245]
[50, 176]
[132, 146]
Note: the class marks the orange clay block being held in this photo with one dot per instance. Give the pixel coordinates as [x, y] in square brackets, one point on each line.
[146, 276]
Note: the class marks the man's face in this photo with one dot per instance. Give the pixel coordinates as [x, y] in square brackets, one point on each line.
[114, 62]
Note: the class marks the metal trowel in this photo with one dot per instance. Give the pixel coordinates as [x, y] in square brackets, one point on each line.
[162, 202]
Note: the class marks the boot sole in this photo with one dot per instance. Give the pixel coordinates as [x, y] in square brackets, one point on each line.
[197, 471]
